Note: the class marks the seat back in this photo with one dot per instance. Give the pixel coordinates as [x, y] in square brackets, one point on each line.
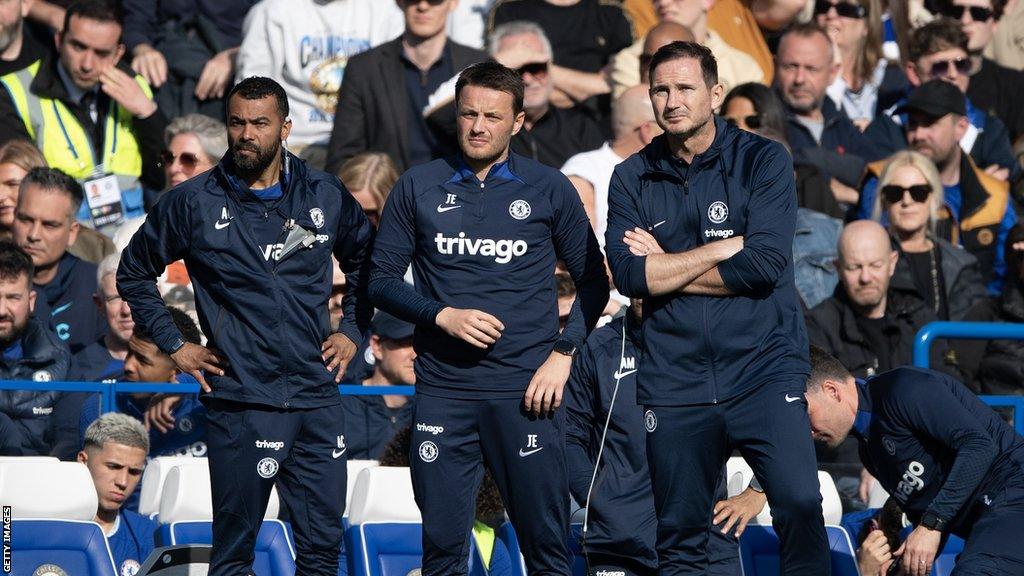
[48, 489]
[738, 475]
[760, 555]
[946, 560]
[386, 537]
[831, 505]
[68, 546]
[353, 470]
[507, 534]
[274, 555]
[186, 494]
[877, 496]
[153, 481]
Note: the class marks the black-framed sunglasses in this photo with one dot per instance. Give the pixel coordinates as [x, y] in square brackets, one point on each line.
[843, 9]
[941, 68]
[188, 160]
[534, 68]
[893, 193]
[978, 13]
[753, 121]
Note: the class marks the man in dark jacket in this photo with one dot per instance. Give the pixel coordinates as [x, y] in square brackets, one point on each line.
[30, 352]
[44, 227]
[397, 97]
[256, 234]
[371, 421]
[953, 465]
[701, 225]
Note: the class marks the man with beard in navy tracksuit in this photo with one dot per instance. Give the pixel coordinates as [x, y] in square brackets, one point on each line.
[256, 234]
[951, 462]
[483, 233]
[700, 225]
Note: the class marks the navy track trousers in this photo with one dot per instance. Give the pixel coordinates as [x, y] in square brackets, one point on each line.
[451, 441]
[687, 447]
[252, 447]
[993, 546]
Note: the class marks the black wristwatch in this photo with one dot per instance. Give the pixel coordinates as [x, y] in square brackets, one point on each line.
[176, 346]
[565, 348]
[930, 520]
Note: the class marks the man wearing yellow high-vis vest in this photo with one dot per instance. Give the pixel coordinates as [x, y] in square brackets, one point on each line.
[91, 117]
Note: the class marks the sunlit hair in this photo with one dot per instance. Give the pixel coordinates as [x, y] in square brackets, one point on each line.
[372, 171]
[926, 168]
[116, 428]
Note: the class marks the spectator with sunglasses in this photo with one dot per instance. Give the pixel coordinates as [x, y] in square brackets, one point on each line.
[946, 276]
[391, 96]
[938, 51]
[977, 210]
[993, 88]
[195, 143]
[867, 82]
[550, 135]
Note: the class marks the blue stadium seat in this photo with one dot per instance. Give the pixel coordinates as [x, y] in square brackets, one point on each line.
[77, 547]
[274, 553]
[759, 551]
[384, 549]
[507, 534]
[53, 504]
[946, 561]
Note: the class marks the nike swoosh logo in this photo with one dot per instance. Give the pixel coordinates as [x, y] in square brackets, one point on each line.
[442, 209]
[658, 224]
[60, 309]
[791, 399]
[336, 453]
[222, 225]
[621, 375]
[523, 454]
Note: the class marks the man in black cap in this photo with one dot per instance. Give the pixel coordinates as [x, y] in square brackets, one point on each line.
[977, 213]
[372, 421]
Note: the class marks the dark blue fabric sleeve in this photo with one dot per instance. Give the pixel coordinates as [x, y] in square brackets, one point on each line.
[90, 413]
[995, 284]
[866, 203]
[353, 244]
[580, 411]
[163, 239]
[930, 408]
[576, 245]
[628, 271]
[140, 20]
[771, 224]
[392, 253]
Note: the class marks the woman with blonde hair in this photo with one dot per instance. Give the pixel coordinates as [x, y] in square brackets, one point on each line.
[910, 198]
[369, 177]
[868, 83]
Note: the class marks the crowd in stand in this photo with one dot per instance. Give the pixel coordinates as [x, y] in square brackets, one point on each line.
[902, 119]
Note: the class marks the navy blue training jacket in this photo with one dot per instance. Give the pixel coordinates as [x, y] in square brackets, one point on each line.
[268, 316]
[621, 520]
[490, 246]
[704, 349]
[935, 446]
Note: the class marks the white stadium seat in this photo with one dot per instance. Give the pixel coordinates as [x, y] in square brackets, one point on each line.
[38, 488]
[354, 468]
[877, 495]
[186, 494]
[383, 494]
[153, 481]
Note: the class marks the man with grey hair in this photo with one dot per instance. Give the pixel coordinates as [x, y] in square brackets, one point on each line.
[115, 451]
[590, 172]
[549, 135]
[103, 360]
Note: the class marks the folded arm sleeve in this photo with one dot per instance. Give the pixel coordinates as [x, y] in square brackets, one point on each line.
[771, 224]
[392, 253]
[628, 271]
[164, 238]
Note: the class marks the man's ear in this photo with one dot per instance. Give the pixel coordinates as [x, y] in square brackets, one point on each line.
[83, 457]
[912, 76]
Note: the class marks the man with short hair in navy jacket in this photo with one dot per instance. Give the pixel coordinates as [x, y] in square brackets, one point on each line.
[256, 234]
[951, 462]
[483, 233]
[700, 225]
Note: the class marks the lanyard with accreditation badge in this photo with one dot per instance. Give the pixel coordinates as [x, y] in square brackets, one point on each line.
[101, 189]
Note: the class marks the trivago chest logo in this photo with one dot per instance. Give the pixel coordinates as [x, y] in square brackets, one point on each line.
[501, 250]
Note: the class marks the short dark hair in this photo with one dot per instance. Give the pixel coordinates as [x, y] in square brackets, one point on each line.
[182, 321]
[258, 88]
[766, 101]
[54, 179]
[682, 49]
[824, 366]
[14, 263]
[98, 10]
[496, 77]
[936, 36]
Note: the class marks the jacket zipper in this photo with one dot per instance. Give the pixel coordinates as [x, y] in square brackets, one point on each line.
[704, 299]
